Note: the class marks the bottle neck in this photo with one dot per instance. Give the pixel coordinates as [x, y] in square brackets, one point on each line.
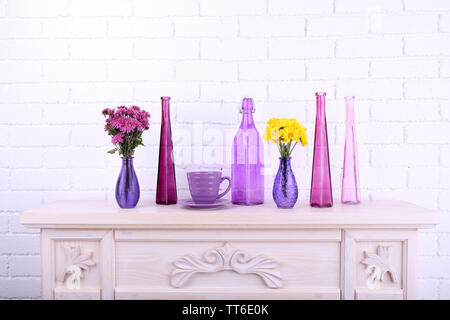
[285, 161]
[247, 120]
[128, 161]
[320, 101]
[165, 108]
[349, 111]
[285, 164]
[247, 113]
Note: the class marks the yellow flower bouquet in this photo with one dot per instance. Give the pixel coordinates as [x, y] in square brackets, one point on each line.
[286, 133]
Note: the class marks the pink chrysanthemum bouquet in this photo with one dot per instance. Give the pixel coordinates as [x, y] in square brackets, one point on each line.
[125, 125]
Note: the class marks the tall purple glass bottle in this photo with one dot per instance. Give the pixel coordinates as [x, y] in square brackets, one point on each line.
[321, 195]
[166, 189]
[247, 176]
[350, 178]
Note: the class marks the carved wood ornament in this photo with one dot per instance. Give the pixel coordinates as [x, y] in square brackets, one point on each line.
[77, 263]
[377, 265]
[226, 258]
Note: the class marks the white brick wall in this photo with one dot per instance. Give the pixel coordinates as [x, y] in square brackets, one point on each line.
[63, 61]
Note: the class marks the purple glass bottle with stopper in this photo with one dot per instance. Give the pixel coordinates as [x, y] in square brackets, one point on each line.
[247, 176]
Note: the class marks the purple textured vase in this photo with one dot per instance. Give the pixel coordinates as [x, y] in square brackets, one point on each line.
[127, 186]
[247, 176]
[285, 190]
[166, 188]
[350, 177]
[321, 195]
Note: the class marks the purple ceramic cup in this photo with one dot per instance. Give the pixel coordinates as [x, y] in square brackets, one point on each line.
[204, 186]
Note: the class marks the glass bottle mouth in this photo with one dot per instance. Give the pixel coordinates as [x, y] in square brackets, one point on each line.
[247, 105]
[165, 98]
[321, 93]
[349, 97]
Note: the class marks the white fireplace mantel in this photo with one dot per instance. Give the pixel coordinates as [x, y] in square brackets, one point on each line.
[94, 250]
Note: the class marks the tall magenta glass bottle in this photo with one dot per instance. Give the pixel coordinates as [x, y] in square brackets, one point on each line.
[350, 177]
[321, 195]
[247, 176]
[166, 189]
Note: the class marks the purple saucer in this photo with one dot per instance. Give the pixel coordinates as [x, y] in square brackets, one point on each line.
[192, 204]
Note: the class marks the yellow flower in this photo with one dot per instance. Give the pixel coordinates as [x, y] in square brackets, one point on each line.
[274, 123]
[271, 134]
[283, 132]
[267, 134]
[304, 139]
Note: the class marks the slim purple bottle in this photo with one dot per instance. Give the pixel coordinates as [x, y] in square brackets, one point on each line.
[321, 195]
[350, 177]
[247, 176]
[166, 189]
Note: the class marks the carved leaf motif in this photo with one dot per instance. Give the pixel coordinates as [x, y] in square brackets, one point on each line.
[77, 262]
[84, 261]
[261, 265]
[226, 258]
[187, 266]
[82, 257]
[377, 265]
[74, 253]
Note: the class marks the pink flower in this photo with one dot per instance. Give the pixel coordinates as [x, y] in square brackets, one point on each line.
[124, 111]
[107, 111]
[136, 109]
[126, 123]
[116, 122]
[117, 138]
[142, 117]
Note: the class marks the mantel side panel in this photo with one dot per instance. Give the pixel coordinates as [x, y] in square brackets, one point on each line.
[379, 264]
[77, 264]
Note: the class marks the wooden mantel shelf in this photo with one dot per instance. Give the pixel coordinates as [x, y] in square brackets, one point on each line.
[106, 214]
[95, 250]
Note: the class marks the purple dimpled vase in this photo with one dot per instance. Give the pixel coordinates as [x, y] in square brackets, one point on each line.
[247, 176]
[321, 195]
[350, 177]
[127, 186]
[166, 188]
[285, 190]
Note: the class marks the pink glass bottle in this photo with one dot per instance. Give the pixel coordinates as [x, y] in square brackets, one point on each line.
[166, 189]
[247, 176]
[350, 178]
[321, 195]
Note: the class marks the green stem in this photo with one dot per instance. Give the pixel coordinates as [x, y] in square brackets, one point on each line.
[290, 150]
[279, 147]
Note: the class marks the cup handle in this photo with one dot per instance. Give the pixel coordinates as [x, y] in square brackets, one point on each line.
[228, 189]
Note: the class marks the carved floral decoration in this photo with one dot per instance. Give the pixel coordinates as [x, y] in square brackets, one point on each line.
[377, 265]
[226, 258]
[77, 263]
